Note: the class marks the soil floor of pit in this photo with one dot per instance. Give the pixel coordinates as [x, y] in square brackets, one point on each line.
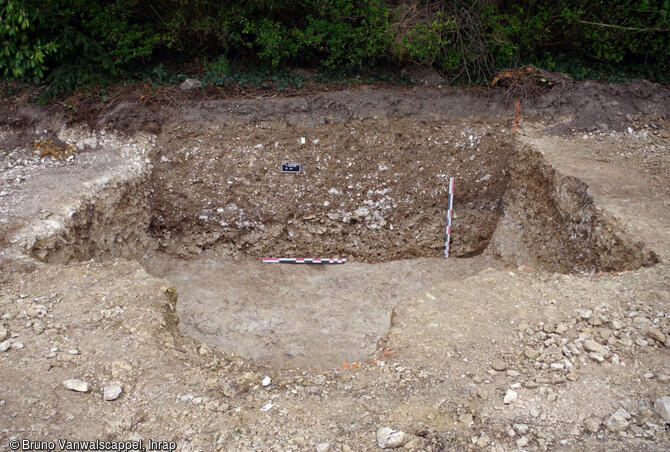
[307, 316]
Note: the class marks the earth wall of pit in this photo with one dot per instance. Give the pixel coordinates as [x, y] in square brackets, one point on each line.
[371, 191]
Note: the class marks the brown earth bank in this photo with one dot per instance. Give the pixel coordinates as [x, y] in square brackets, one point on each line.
[546, 329]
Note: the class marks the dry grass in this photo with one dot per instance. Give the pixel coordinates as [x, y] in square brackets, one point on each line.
[49, 148]
[528, 81]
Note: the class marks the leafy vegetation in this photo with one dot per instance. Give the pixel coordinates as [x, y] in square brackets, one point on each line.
[68, 43]
[22, 51]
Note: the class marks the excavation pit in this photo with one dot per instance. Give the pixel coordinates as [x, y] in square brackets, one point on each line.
[215, 201]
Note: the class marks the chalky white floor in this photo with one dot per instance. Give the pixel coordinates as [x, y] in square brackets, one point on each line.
[299, 315]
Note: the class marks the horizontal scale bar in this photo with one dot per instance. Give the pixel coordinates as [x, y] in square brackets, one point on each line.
[303, 260]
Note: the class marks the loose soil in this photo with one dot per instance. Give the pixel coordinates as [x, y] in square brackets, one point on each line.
[137, 263]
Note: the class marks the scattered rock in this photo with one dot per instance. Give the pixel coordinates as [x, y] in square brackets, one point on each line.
[617, 324]
[483, 440]
[229, 388]
[38, 327]
[623, 413]
[646, 413]
[189, 84]
[112, 392]
[596, 357]
[3, 333]
[510, 396]
[655, 333]
[572, 376]
[414, 444]
[531, 353]
[592, 424]
[213, 405]
[267, 407]
[466, 418]
[662, 408]
[267, 381]
[387, 438]
[323, 447]
[499, 364]
[522, 442]
[641, 321]
[76, 385]
[521, 429]
[618, 421]
[4, 346]
[593, 346]
[585, 314]
[605, 333]
[595, 320]
[562, 328]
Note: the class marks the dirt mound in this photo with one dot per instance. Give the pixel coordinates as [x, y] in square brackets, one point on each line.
[594, 106]
[569, 106]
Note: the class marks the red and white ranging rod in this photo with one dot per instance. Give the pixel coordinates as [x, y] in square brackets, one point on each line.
[450, 211]
[303, 260]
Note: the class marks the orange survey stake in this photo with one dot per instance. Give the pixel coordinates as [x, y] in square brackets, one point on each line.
[516, 120]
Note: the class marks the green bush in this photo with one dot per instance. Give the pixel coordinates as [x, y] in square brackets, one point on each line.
[430, 42]
[633, 33]
[347, 33]
[217, 68]
[22, 50]
[68, 43]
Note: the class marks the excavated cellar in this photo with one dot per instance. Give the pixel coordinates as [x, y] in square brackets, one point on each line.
[376, 192]
[214, 201]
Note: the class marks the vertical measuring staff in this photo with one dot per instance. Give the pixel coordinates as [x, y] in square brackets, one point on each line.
[450, 211]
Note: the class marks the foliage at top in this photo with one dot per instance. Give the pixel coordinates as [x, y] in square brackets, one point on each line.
[68, 43]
